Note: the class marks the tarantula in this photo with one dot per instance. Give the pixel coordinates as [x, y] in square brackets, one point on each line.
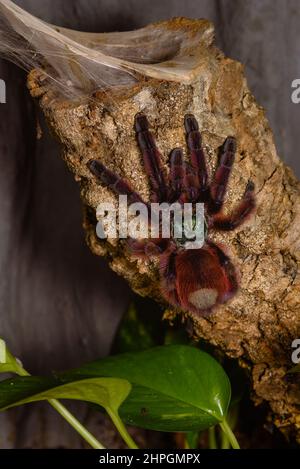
[192, 279]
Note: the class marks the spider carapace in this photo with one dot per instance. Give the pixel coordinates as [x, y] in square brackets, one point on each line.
[191, 279]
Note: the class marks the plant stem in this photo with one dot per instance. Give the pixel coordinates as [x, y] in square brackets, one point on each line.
[225, 443]
[186, 444]
[63, 411]
[230, 435]
[122, 429]
[212, 442]
[86, 435]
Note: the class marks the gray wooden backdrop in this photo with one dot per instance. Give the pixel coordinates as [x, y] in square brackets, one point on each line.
[60, 305]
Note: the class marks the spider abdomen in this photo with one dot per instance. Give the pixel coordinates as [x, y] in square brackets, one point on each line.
[201, 281]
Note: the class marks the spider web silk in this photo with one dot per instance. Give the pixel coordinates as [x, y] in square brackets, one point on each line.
[72, 68]
[79, 63]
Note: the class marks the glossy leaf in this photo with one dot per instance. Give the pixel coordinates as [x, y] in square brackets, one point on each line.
[174, 388]
[106, 392]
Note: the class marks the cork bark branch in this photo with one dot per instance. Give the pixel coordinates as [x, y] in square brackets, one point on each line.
[259, 324]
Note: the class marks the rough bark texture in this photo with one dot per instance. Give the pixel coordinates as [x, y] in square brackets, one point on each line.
[259, 324]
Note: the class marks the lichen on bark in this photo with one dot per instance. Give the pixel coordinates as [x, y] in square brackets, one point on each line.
[259, 324]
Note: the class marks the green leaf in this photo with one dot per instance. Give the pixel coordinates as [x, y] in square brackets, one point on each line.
[106, 392]
[8, 363]
[174, 388]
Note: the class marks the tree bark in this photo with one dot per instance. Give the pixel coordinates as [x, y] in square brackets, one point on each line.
[259, 324]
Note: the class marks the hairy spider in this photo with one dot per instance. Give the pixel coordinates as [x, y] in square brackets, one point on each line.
[192, 279]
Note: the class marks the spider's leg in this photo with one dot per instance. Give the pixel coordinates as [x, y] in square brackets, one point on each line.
[152, 159]
[227, 265]
[240, 213]
[194, 143]
[168, 276]
[113, 181]
[182, 179]
[219, 184]
[176, 175]
[190, 192]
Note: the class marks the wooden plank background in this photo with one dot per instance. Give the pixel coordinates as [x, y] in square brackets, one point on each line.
[60, 305]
